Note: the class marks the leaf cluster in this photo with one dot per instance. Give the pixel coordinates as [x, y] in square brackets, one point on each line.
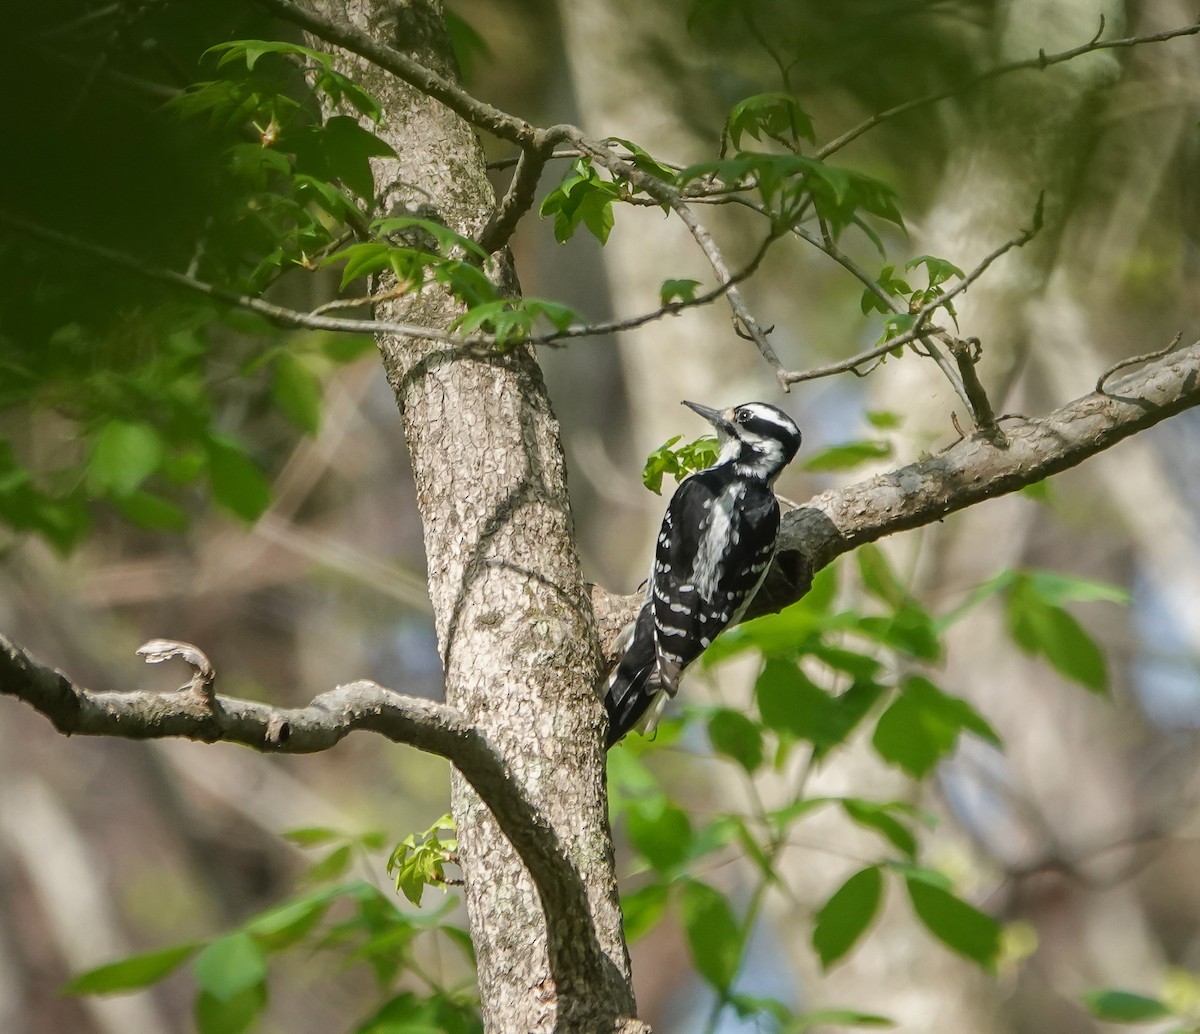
[678, 460]
[348, 918]
[827, 675]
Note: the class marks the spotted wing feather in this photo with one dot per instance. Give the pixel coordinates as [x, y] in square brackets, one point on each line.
[717, 540]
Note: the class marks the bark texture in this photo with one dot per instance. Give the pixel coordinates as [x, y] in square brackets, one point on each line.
[514, 623]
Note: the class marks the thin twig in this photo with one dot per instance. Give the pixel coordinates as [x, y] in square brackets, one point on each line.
[741, 311]
[850, 365]
[275, 314]
[670, 309]
[507, 163]
[1133, 360]
[315, 320]
[920, 329]
[1041, 62]
[337, 304]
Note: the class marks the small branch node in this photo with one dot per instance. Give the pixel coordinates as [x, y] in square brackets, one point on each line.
[279, 730]
[155, 651]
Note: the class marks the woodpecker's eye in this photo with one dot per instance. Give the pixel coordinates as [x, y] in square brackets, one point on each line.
[741, 416]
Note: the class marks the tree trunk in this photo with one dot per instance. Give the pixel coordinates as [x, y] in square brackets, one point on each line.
[514, 624]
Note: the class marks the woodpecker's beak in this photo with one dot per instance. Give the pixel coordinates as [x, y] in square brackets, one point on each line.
[720, 420]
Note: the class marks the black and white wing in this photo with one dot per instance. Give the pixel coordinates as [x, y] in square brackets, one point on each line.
[632, 685]
[716, 543]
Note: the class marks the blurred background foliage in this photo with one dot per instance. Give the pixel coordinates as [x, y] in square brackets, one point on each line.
[180, 468]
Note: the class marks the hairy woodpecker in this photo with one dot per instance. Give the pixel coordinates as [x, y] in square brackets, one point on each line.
[716, 543]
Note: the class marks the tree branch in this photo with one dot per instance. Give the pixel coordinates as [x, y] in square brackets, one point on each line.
[276, 314]
[973, 469]
[1041, 62]
[406, 69]
[519, 197]
[429, 726]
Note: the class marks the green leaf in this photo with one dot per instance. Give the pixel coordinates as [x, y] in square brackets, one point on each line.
[678, 461]
[296, 390]
[896, 325]
[1057, 588]
[736, 736]
[788, 700]
[419, 859]
[467, 43]
[713, 934]
[839, 1018]
[861, 666]
[952, 921]
[642, 909]
[922, 726]
[774, 635]
[584, 197]
[793, 705]
[409, 229]
[847, 914]
[367, 258]
[749, 1007]
[232, 1015]
[312, 836]
[123, 455]
[643, 160]
[151, 512]
[878, 577]
[348, 148]
[848, 455]
[939, 269]
[332, 866]
[252, 49]
[1041, 627]
[661, 832]
[229, 966]
[875, 816]
[338, 87]
[286, 924]
[327, 196]
[1124, 1006]
[883, 419]
[131, 974]
[237, 483]
[769, 114]
[678, 290]
[910, 631]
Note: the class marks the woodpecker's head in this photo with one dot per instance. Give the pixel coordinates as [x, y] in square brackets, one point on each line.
[758, 439]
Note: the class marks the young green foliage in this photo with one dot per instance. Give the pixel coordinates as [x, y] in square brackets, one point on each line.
[679, 461]
[419, 860]
[352, 919]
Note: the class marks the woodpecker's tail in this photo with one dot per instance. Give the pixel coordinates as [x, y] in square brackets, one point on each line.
[632, 686]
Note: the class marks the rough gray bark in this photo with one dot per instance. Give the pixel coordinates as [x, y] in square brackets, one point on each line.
[514, 623]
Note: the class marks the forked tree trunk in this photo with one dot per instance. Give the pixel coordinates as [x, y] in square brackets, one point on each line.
[514, 623]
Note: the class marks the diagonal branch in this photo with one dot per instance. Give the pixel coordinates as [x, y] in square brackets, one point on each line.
[976, 468]
[408, 70]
